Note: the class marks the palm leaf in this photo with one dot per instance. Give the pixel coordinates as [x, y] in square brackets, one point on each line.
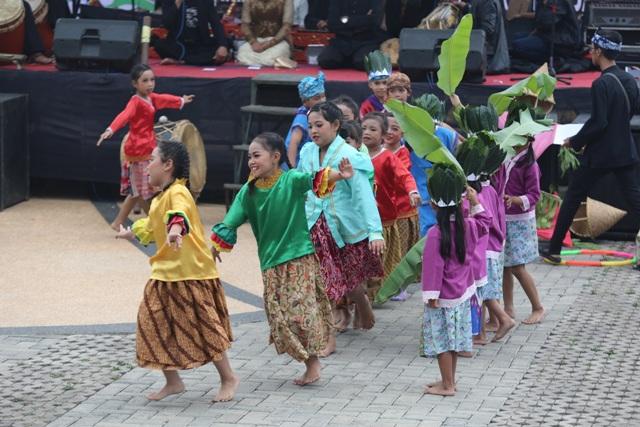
[453, 56]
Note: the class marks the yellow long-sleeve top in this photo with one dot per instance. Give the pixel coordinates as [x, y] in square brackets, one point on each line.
[193, 261]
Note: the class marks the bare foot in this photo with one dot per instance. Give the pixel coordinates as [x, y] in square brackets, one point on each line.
[167, 390]
[437, 384]
[345, 319]
[227, 390]
[115, 226]
[170, 61]
[510, 312]
[467, 354]
[367, 318]
[330, 348]
[41, 59]
[440, 390]
[535, 317]
[503, 330]
[480, 340]
[311, 375]
[491, 327]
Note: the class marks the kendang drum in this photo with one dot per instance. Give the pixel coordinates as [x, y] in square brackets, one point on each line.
[185, 132]
[40, 10]
[11, 26]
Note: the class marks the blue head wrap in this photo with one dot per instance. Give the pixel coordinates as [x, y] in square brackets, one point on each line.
[604, 43]
[311, 86]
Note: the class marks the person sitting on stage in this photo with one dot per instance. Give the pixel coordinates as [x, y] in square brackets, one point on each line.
[190, 24]
[33, 46]
[553, 18]
[356, 25]
[266, 26]
[609, 147]
[317, 18]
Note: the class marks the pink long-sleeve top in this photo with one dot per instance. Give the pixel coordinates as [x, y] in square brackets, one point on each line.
[448, 280]
[494, 206]
[522, 181]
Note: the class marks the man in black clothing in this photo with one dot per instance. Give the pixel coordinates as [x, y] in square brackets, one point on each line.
[606, 138]
[356, 24]
[318, 15]
[190, 24]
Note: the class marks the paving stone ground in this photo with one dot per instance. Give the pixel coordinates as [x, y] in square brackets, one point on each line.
[562, 372]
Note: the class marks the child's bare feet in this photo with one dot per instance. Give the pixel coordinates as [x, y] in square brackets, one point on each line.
[480, 340]
[536, 316]
[440, 390]
[312, 374]
[330, 348]
[437, 384]
[115, 225]
[367, 318]
[467, 354]
[345, 319]
[227, 390]
[491, 326]
[167, 390]
[503, 330]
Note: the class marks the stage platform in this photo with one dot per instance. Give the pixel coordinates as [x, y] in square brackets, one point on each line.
[68, 111]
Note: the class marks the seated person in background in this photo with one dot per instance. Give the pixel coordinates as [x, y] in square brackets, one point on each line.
[266, 26]
[401, 14]
[317, 18]
[488, 16]
[356, 24]
[190, 24]
[536, 47]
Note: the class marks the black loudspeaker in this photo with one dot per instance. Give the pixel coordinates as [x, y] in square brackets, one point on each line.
[14, 149]
[96, 44]
[419, 50]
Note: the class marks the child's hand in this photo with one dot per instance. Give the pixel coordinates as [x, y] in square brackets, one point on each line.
[377, 247]
[105, 135]
[415, 199]
[455, 100]
[215, 254]
[472, 196]
[345, 168]
[512, 200]
[174, 237]
[125, 233]
[433, 303]
[187, 99]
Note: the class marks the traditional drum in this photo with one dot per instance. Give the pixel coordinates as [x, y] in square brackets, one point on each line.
[183, 131]
[443, 17]
[11, 26]
[40, 10]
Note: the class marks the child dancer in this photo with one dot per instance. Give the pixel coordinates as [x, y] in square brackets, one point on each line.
[378, 67]
[521, 193]
[345, 227]
[183, 320]
[273, 202]
[447, 276]
[393, 182]
[139, 114]
[349, 108]
[311, 91]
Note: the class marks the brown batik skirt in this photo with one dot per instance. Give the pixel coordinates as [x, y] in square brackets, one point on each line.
[182, 325]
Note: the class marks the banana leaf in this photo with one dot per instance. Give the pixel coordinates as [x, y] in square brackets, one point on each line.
[419, 131]
[540, 84]
[518, 133]
[406, 272]
[453, 56]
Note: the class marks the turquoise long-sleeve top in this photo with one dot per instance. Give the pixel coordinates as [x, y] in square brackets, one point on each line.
[350, 210]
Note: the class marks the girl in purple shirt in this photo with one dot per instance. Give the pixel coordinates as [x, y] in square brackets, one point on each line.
[521, 193]
[447, 280]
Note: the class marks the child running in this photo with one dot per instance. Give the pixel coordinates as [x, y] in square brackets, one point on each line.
[447, 275]
[311, 91]
[139, 114]
[273, 202]
[521, 193]
[183, 320]
[378, 67]
[345, 227]
[393, 183]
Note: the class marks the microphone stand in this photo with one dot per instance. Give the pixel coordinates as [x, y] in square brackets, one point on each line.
[552, 70]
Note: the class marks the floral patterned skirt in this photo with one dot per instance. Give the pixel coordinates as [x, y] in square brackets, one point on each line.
[343, 269]
[182, 325]
[446, 329]
[495, 271]
[297, 308]
[521, 246]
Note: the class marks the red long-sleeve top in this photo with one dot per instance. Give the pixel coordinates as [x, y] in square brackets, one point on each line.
[405, 209]
[140, 114]
[393, 181]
